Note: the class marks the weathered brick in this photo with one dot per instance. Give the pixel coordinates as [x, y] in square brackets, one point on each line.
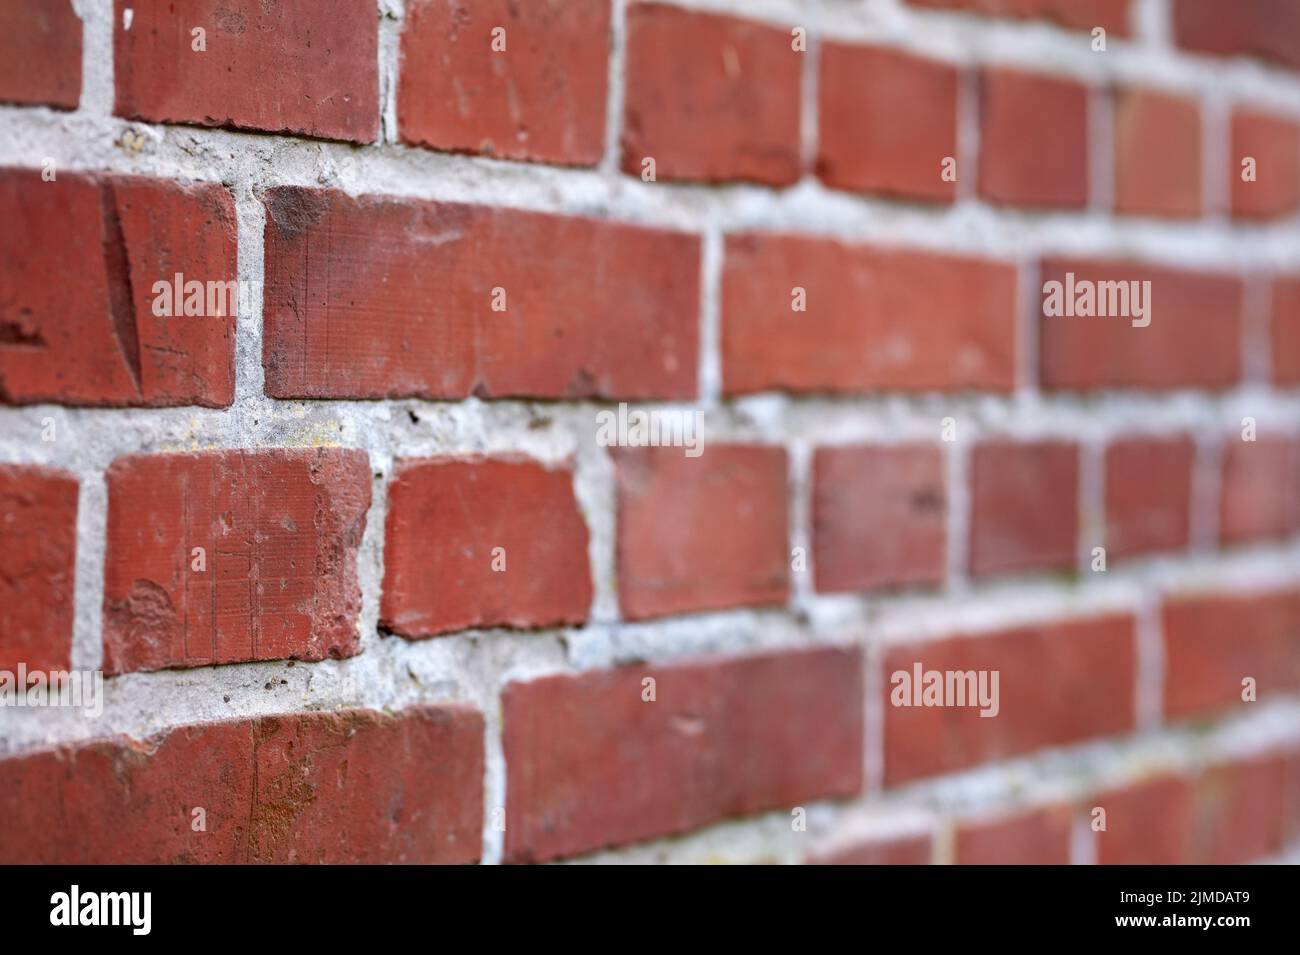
[541, 98]
[1033, 139]
[1147, 823]
[474, 542]
[1148, 495]
[875, 318]
[1273, 142]
[888, 120]
[40, 53]
[703, 533]
[378, 297]
[1259, 496]
[1024, 512]
[1033, 837]
[710, 97]
[1213, 642]
[1058, 683]
[1240, 811]
[353, 786]
[1157, 148]
[279, 531]
[38, 549]
[78, 265]
[591, 763]
[298, 67]
[1193, 339]
[1269, 29]
[1110, 15]
[879, 517]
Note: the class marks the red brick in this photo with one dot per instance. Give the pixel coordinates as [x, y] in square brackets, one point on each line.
[1274, 143]
[1111, 15]
[1147, 823]
[703, 533]
[710, 97]
[1269, 29]
[1157, 154]
[1058, 683]
[1241, 813]
[1035, 837]
[1260, 493]
[888, 120]
[446, 519]
[1148, 495]
[297, 67]
[878, 517]
[79, 267]
[1286, 331]
[1212, 642]
[280, 530]
[542, 98]
[876, 318]
[590, 764]
[40, 53]
[1193, 339]
[38, 549]
[1033, 139]
[912, 849]
[1024, 512]
[397, 301]
[353, 786]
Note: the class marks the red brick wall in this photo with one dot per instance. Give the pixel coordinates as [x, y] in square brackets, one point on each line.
[367, 583]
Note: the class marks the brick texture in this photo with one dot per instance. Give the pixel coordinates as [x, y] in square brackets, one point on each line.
[1285, 329]
[483, 543]
[1259, 496]
[1111, 15]
[541, 98]
[887, 122]
[710, 98]
[1035, 837]
[279, 531]
[78, 268]
[38, 549]
[1157, 154]
[1148, 495]
[1241, 811]
[316, 66]
[912, 849]
[1269, 29]
[1024, 512]
[1058, 683]
[1274, 143]
[1147, 823]
[590, 763]
[1193, 339]
[379, 297]
[347, 787]
[1047, 168]
[40, 53]
[875, 318]
[1214, 641]
[879, 517]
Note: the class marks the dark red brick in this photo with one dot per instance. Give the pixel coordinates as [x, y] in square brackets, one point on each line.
[1058, 683]
[78, 266]
[879, 517]
[876, 318]
[1193, 339]
[447, 517]
[1269, 29]
[710, 97]
[1024, 512]
[542, 98]
[703, 533]
[1111, 15]
[1286, 331]
[1034, 837]
[1147, 823]
[589, 763]
[888, 120]
[1148, 495]
[378, 297]
[354, 786]
[40, 53]
[1033, 139]
[297, 67]
[280, 530]
[1259, 498]
[1157, 143]
[1274, 143]
[1240, 811]
[38, 550]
